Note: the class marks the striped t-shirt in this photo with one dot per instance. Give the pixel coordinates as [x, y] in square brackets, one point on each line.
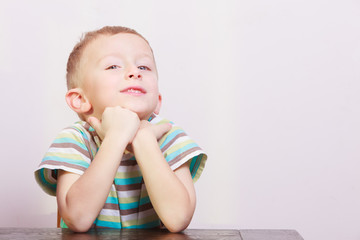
[128, 204]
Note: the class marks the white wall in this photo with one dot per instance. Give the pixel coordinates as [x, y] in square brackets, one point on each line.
[270, 89]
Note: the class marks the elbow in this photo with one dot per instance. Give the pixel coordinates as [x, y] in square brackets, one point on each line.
[78, 223]
[178, 223]
[80, 228]
[176, 227]
[179, 219]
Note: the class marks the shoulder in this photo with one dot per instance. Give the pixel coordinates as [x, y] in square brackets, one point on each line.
[156, 119]
[72, 151]
[80, 127]
[78, 131]
[178, 148]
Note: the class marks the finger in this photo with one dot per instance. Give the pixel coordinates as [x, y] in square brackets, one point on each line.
[161, 129]
[96, 124]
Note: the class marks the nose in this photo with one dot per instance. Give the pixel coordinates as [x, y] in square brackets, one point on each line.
[134, 73]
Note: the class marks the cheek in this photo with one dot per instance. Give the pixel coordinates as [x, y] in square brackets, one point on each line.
[153, 85]
[105, 89]
[107, 82]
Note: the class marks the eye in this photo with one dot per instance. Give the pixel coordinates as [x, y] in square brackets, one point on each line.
[144, 68]
[112, 67]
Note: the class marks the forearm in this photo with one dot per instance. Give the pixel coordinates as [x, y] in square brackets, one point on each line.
[81, 203]
[171, 199]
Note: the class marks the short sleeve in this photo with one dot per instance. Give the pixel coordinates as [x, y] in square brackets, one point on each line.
[178, 148]
[70, 151]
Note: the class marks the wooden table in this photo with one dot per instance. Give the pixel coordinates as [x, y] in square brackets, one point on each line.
[126, 234]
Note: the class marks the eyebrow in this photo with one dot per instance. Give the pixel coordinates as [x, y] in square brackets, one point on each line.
[145, 55]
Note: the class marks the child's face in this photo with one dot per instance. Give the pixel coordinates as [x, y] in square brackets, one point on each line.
[120, 70]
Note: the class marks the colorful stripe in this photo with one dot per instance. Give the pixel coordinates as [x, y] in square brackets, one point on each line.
[128, 204]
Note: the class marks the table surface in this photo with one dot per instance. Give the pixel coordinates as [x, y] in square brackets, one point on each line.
[133, 234]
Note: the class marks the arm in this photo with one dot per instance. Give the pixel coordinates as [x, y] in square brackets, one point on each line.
[172, 194]
[81, 198]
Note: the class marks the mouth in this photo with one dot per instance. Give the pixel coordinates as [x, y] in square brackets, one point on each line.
[134, 90]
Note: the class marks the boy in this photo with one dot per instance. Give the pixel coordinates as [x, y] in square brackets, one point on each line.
[122, 166]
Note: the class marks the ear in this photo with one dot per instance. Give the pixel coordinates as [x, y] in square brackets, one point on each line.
[158, 106]
[77, 101]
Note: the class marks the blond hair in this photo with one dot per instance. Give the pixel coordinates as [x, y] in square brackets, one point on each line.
[72, 69]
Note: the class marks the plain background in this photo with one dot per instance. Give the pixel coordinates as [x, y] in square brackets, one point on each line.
[270, 89]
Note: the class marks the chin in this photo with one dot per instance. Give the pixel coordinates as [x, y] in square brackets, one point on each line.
[143, 112]
[144, 116]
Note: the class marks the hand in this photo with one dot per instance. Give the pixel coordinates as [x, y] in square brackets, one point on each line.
[116, 121]
[157, 130]
[148, 130]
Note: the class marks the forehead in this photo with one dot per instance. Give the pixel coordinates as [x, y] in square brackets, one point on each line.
[123, 44]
